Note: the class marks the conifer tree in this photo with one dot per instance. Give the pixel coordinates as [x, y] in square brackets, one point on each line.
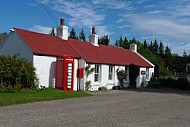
[145, 44]
[82, 35]
[104, 40]
[73, 34]
[155, 46]
[52, 32]
[161, 49]
[150, 46]
[167, 57]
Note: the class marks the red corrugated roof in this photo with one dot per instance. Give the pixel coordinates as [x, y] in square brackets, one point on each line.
[106, 54]
[44, 44]
[51, 45]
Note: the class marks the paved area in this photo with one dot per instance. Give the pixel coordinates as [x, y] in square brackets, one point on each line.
[155, 108]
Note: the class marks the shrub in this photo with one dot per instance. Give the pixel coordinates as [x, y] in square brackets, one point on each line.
[16, 72]
[88, 85]
[180, 83]
[88, 71]
[121, 76]
[18, 87]
[154, 83]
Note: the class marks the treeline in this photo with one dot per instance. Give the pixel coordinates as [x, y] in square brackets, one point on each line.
[73, 35]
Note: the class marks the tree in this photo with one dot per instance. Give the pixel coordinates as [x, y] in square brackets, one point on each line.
[125, 43]
[119, 42]
[73, 34]
[133, 40]
[150, 46]
[168, 57]
[185, 53]
[155, 46]
[161, 49]
[82, 35]
[104, 40]
[52, 32]
[145, 44]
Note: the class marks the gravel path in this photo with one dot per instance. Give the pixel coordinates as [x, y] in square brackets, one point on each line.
[158, 108]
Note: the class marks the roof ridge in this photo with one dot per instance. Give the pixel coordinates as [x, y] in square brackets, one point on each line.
[35, 32]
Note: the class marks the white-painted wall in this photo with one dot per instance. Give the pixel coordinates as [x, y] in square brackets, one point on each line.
[104, 80]
[75, 74]
[142, 80]
[82, 64]
[45, 70]
[127, 80]
[151, 72]
[13, 45]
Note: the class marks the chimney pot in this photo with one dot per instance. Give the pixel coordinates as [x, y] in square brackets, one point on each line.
[133, 47]
[62, 30]
[62, 22]
[93, 38]
[93, 30]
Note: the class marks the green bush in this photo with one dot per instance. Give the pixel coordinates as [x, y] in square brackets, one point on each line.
[154, 82]
[180, 83]
[121, 76]
[14, 71]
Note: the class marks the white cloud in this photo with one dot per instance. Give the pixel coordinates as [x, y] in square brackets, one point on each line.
[113, 4]
[167, 29]
[160, 26]
[149, 6]
[103, 30]
[81, 14]
[168, 21]
[154, 12]
[141, 1]
[41, 29]
[124, 26]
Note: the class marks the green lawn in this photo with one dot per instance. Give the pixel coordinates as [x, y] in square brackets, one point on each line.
[41, 95]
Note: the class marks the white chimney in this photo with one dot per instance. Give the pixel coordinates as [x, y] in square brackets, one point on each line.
[133, 47]
[93, 38]
[62, 31]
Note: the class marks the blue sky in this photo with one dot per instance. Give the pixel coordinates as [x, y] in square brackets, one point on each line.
[166, 20]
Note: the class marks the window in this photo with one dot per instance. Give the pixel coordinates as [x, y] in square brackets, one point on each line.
[97, 73]
[111, 69]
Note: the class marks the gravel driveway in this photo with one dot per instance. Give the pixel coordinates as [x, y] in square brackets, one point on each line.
[156, 108]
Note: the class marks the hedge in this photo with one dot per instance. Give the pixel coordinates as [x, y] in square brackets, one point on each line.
[14, 71]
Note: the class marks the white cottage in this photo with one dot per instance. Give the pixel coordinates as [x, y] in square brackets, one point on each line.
[60, 62]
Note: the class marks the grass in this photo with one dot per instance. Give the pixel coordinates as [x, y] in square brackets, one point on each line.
[35, 96]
